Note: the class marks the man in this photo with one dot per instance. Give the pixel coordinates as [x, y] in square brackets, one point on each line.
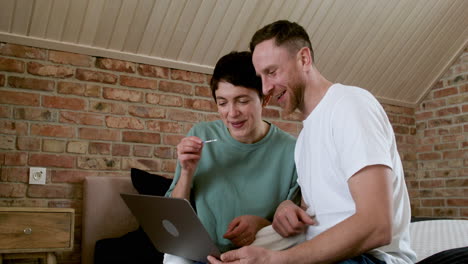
[349, 170]
[237, 181]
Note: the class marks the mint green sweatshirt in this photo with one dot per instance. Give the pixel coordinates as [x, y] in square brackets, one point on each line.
[234, 179]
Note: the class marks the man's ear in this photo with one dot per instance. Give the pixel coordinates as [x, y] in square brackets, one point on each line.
[305, 57]
[266, 100]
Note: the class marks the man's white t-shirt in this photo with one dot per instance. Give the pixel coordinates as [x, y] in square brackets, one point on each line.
[347, 131]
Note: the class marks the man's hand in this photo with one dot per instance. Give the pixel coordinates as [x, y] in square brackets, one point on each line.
[291, 220]
[248, 255]
[189, 153]
[243, 229]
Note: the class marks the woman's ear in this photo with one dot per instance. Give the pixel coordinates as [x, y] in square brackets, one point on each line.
[266, 100]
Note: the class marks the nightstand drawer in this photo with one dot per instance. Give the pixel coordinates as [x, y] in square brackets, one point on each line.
[36, 229]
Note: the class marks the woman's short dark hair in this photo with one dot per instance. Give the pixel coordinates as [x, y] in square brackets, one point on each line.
[237, 69]
[290, 34]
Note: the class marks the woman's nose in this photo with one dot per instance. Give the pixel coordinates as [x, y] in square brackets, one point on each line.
[233, 110]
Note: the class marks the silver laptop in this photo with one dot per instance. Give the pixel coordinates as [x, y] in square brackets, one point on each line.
[172, 225]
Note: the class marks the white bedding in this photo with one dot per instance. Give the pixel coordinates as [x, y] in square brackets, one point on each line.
[433, 236]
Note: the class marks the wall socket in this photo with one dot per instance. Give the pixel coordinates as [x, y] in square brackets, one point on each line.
[37, 175]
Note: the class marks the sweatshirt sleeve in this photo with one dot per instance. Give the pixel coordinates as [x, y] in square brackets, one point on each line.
[177, 172]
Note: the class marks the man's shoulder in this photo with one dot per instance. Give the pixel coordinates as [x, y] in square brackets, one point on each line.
[352, 92]
[347, 99]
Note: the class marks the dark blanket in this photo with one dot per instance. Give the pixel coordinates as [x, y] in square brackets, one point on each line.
[450, 256]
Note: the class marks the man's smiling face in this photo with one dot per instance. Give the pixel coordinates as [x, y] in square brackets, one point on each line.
[281, 74]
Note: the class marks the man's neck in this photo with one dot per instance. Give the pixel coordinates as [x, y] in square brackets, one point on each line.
[316, 88]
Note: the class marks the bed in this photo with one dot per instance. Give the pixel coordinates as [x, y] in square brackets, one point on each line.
[440, 241]
[435, 241]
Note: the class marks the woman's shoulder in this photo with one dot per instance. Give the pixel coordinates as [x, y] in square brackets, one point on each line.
[207, 127]
[208, 124]
[282, 135]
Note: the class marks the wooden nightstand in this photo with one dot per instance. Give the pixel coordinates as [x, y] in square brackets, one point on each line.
[35, 232]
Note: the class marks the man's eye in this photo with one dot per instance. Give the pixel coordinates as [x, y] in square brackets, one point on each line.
[221, 103]
[244, 101]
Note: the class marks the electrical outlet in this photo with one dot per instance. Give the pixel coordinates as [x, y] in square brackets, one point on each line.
[37, 175]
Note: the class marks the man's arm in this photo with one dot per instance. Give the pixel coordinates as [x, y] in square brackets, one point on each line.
[291, 219]
[370, 227]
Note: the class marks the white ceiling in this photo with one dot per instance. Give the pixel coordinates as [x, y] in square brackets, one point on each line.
[397, 49]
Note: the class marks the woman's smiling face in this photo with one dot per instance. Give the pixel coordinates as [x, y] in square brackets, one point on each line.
[240, 109]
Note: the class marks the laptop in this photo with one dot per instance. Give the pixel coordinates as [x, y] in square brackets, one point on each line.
[172, 225]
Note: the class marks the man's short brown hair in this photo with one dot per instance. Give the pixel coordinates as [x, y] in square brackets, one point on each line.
[286, 33]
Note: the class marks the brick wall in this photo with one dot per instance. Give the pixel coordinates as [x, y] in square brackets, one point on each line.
[440, 186]
[79, 115]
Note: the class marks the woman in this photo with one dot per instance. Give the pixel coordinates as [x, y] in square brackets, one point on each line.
[237, 180]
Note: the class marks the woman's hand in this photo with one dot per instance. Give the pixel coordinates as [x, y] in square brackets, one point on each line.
[189, 153]
[243, 229]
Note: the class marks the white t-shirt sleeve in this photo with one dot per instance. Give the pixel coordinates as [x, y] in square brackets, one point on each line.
[362, 133]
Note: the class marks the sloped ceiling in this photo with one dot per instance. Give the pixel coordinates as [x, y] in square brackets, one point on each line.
[396, 49]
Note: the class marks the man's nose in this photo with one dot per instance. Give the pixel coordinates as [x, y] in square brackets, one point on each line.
[267, 87]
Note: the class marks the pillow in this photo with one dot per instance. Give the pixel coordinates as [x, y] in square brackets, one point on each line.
[134, 247]
[153, 184]
[149, 184]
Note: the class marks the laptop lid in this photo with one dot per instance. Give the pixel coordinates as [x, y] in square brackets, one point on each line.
[172, 225]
